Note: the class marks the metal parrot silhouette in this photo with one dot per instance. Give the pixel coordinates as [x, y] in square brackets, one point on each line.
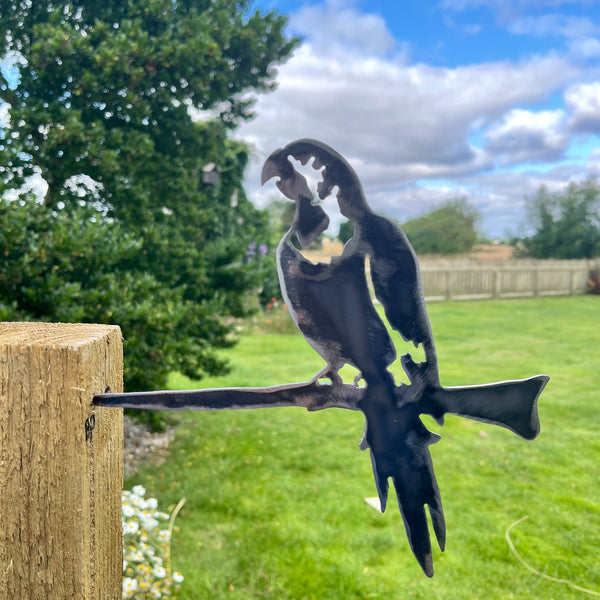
[332, 307]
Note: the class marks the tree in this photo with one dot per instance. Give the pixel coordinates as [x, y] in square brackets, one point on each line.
[564, 224]
[144, 222]
[451, 228]
[346, 231]
[68, 266]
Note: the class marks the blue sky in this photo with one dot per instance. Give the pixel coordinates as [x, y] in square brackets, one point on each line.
[430, 100]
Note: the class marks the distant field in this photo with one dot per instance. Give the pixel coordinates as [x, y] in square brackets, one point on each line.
[275, 497]
[492, 252]
[483, 252]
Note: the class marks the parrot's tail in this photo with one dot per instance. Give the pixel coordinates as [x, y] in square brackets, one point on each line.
[399, 445]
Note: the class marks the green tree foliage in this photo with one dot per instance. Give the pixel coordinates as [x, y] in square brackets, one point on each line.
[346, 231]
[451, 228]
[131, 230]
[281, 214]
[564, 224]
[69, 265]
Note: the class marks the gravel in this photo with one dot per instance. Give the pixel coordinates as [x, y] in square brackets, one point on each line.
[141, 445]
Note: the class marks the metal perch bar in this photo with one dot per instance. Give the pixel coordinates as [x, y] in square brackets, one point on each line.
[311, 395]
[510, 404]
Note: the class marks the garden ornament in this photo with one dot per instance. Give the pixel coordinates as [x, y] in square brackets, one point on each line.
[332, 307]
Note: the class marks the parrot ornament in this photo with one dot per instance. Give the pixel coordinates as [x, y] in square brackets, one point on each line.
[332, 306]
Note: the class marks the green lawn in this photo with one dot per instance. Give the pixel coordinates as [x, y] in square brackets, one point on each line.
[275, 497]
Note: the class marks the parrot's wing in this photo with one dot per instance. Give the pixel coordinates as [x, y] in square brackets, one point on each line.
[396, 278]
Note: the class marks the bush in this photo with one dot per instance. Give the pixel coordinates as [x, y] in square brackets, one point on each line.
[451, 228]
[594, 281]
[274, 318]
[146, 548]
[563, 224]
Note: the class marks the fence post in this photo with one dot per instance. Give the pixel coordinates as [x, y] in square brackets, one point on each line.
[535, 281]
[61, 463]
[571, 281]
[448, 290]
[496, 284]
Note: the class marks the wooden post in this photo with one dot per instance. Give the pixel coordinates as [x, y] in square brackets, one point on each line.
[496, 283]
[535, 281]
[61, 463]
[571, 281]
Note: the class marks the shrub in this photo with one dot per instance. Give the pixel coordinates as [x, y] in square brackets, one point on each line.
[146, 548]
[594, 281]
[275, 318]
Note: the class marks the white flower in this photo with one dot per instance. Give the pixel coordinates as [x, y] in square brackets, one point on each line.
[138, 501]
[129, 586]
[150, 523]
[177, 577]
[131, 527]
[164, 535]
[159, 572]
[143, 570]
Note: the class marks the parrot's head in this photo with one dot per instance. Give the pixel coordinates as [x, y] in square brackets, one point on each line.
[336, 172]
[310, 220]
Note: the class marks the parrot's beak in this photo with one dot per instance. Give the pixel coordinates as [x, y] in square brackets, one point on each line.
[277, 165]
[270, 169]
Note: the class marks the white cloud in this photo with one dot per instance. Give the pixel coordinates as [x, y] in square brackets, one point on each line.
[584, 100]
[500, 196]
[395, 122]
[472, 29]
[411, 201]
[403, 124]
[585, 47]
[506, 8]
[336, 27]
[388, 112]
[554, 24]
[525, 136]
[593, 163]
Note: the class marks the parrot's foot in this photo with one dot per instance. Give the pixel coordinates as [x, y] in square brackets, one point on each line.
[357, 379]
[328, 373]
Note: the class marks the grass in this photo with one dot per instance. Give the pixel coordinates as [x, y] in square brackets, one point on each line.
[275, 497]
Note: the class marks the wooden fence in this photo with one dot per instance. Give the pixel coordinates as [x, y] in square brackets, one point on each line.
[61, 471]
[452, 281]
